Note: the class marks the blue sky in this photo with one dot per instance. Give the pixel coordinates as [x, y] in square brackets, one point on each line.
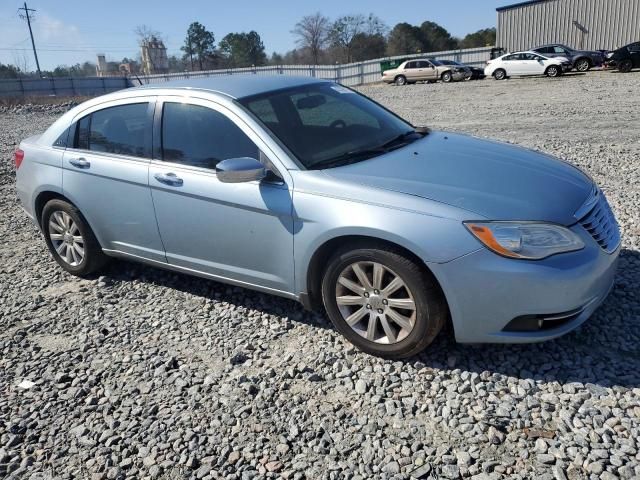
[71, 31]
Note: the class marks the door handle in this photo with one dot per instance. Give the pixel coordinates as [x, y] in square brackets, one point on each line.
[80, 162]
[169, 179]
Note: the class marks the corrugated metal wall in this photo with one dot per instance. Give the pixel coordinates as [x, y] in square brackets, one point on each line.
[582, 24]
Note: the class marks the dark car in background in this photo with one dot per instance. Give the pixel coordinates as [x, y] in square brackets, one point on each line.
[625, 58]
[476, 73]
[581, 60]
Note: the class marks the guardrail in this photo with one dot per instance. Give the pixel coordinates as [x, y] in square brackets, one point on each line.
[350, 74]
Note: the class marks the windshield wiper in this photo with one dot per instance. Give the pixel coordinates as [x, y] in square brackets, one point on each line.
[359, 155]
[397, 141]
[349, 157]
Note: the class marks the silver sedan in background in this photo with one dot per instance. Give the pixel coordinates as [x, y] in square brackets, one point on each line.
[306, 189]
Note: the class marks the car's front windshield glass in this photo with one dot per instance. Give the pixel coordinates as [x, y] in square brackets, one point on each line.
[326, 125]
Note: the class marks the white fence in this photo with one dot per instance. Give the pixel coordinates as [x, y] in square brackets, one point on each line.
[351, 74]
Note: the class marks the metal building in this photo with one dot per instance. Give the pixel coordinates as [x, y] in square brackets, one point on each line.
[581, 24]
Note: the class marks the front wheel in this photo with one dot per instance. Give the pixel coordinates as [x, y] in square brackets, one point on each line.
[553, 71]
[500, 74]
[70, 239]
[446, 77]
[625, 66]
[381, 301]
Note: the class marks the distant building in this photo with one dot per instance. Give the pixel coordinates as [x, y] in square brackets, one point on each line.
[101, 67]
[154, 56]
[581, 24]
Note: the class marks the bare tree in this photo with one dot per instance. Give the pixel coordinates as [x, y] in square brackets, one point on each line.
[344, 30]
[145, 34]
[312, 33]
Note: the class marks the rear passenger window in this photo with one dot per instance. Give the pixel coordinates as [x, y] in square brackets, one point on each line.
[121, 130]
[201, 137]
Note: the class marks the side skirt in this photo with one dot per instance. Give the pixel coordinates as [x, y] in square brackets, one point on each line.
[198, 273]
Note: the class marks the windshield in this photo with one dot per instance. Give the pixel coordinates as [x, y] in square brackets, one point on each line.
[437, 62]
[326, 125]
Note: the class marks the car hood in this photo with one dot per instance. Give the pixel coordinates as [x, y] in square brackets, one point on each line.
[493, 180]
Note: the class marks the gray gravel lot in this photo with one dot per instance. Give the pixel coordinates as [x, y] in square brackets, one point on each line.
[142, 373]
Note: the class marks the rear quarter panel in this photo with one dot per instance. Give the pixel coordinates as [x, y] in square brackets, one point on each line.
[40, 171]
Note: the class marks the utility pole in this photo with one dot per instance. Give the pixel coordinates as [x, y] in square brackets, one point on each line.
[33, 43]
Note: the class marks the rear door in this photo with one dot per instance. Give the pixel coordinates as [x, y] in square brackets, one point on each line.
[105, 174]
[239, 232]
[511, 64]
[411, 71]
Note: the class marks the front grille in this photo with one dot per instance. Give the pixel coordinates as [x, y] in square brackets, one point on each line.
[600, 222]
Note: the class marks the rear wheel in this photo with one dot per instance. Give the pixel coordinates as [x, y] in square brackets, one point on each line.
[583, 65]
[625, 66]
[381, 301]
[500, 74]
[401, 80]
[70, 239]
[446, 77]
[553, 71]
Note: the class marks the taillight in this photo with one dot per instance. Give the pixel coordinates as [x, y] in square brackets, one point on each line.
[19, 156]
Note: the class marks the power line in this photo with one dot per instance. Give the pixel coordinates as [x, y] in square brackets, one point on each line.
[33, 43]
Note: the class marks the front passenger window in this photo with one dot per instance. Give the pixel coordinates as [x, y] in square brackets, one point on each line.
[201, 137]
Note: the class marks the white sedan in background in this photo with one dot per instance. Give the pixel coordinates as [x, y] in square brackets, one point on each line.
[526, 63]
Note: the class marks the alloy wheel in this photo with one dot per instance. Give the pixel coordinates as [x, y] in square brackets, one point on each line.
[499, 74]
[375, 302]
[66, 238]
[552, 71]
[582, 65]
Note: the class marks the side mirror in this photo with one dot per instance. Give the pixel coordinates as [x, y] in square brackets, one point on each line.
[239, 170]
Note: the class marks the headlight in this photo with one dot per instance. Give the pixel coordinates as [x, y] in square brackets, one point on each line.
[525, 240]
[609, 54]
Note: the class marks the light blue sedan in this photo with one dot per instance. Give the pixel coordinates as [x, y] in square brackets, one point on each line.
[306, 189]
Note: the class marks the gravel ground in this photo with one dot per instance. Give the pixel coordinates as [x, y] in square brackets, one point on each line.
[142, 373]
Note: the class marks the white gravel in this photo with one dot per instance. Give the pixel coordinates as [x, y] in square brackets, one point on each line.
[142, 373]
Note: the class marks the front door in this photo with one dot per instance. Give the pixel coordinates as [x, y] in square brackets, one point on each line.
[105, 173]
[427, 70]
[241, 232]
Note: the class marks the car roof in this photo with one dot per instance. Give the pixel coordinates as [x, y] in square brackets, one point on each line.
[235, 86]
[553, 45]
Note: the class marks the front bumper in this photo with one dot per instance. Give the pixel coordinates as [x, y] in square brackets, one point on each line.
[567, 67]
[486, 292]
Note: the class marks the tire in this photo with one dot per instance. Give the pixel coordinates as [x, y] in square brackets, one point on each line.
[73, 245]
[446, 77]
[400, 80]
[553, 71]
[582, 65]
[372, 314]
[500, 74]
[625, 66]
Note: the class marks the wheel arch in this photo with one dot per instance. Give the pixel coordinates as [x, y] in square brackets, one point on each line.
[45, 196]
[324, 251]
[41, 200]
[584, 57]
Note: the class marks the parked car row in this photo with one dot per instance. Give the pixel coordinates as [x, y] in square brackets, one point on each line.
[551, 60]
